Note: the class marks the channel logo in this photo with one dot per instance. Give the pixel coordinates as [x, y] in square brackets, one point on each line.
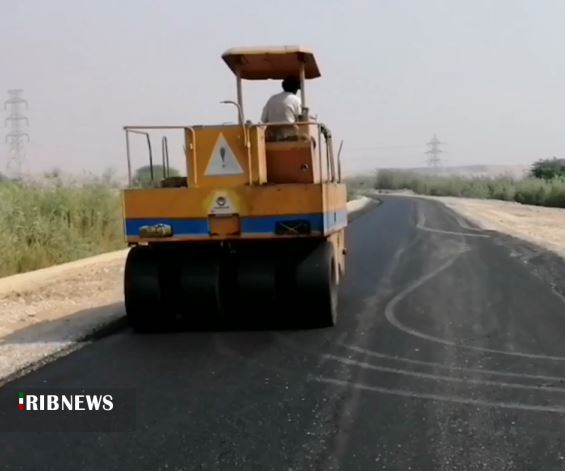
[65, 402]
[63, 409]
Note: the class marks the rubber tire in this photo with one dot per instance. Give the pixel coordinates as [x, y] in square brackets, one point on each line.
[200, 286]
[142, 290]
[256, 288]
[317, 286]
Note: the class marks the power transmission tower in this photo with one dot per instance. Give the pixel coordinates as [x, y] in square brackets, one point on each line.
[15, 136]
[433, 151]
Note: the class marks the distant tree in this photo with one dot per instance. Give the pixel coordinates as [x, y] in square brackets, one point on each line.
[3, 178]
[54, 177]
[548, 169]
[142, 176]
[107, 178]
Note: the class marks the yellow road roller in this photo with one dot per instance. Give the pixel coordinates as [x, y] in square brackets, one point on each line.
[255, 229]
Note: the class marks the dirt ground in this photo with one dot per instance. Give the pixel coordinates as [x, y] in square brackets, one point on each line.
[544, 227]
[49, 311]
[541, 226]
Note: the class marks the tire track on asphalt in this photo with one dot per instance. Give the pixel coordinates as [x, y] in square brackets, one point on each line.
[417, 374]
[436, 365]
[421, 224]
[438, 397]
[393, 320]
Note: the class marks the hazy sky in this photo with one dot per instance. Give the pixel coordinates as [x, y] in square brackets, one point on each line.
[488, 76]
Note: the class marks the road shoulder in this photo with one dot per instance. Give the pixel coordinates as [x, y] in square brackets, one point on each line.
[538, 225]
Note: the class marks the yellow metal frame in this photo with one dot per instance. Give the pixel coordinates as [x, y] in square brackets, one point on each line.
[254, 207]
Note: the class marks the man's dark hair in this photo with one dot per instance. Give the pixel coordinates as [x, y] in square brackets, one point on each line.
[291, 84]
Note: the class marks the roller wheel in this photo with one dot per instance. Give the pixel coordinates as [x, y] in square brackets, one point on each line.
[200, 285]
[142, 291]
[256, 288]
[317, 286]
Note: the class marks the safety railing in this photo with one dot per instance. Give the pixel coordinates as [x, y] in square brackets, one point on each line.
[165, 154]
[322, 131]
[143, 130]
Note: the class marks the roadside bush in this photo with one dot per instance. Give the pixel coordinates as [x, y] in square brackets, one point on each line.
[533, 191]
[52, 222]
[358, 184]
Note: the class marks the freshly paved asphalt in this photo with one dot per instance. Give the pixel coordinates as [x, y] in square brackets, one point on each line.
[449, 354]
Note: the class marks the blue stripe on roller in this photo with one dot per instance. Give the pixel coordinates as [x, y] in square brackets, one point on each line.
[319, 222]
[334, 220]
[266, 224]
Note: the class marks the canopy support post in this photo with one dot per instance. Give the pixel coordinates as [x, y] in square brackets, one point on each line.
[303, 91]
[239, 97]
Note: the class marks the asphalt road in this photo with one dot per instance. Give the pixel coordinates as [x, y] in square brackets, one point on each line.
[449, 354]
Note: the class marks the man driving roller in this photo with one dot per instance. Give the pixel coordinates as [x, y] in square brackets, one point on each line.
[284, 107]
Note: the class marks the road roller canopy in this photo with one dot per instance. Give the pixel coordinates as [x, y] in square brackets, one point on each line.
[271, 62]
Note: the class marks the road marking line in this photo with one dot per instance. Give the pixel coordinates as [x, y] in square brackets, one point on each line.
[454, 379]
[437, 397]
[453, 368]
[391, 317]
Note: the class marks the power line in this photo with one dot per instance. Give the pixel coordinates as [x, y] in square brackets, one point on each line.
[15, 136]
[434, 151]
[373, 148]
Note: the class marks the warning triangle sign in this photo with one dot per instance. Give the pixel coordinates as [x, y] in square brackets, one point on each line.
[223, 161]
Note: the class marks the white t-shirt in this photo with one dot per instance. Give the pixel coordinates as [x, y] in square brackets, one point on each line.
[284, 107]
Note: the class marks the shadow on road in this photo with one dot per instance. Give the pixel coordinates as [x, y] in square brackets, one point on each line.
[80, 326]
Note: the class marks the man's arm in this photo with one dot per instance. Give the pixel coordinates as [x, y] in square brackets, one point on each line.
[297, 108]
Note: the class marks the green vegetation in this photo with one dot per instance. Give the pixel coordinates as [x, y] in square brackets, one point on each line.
[548, 169]
[359, 184]
[50, 222]
[534, 191]
[54, 221]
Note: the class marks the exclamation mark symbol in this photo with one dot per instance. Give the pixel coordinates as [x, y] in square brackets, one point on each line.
[223, 156]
